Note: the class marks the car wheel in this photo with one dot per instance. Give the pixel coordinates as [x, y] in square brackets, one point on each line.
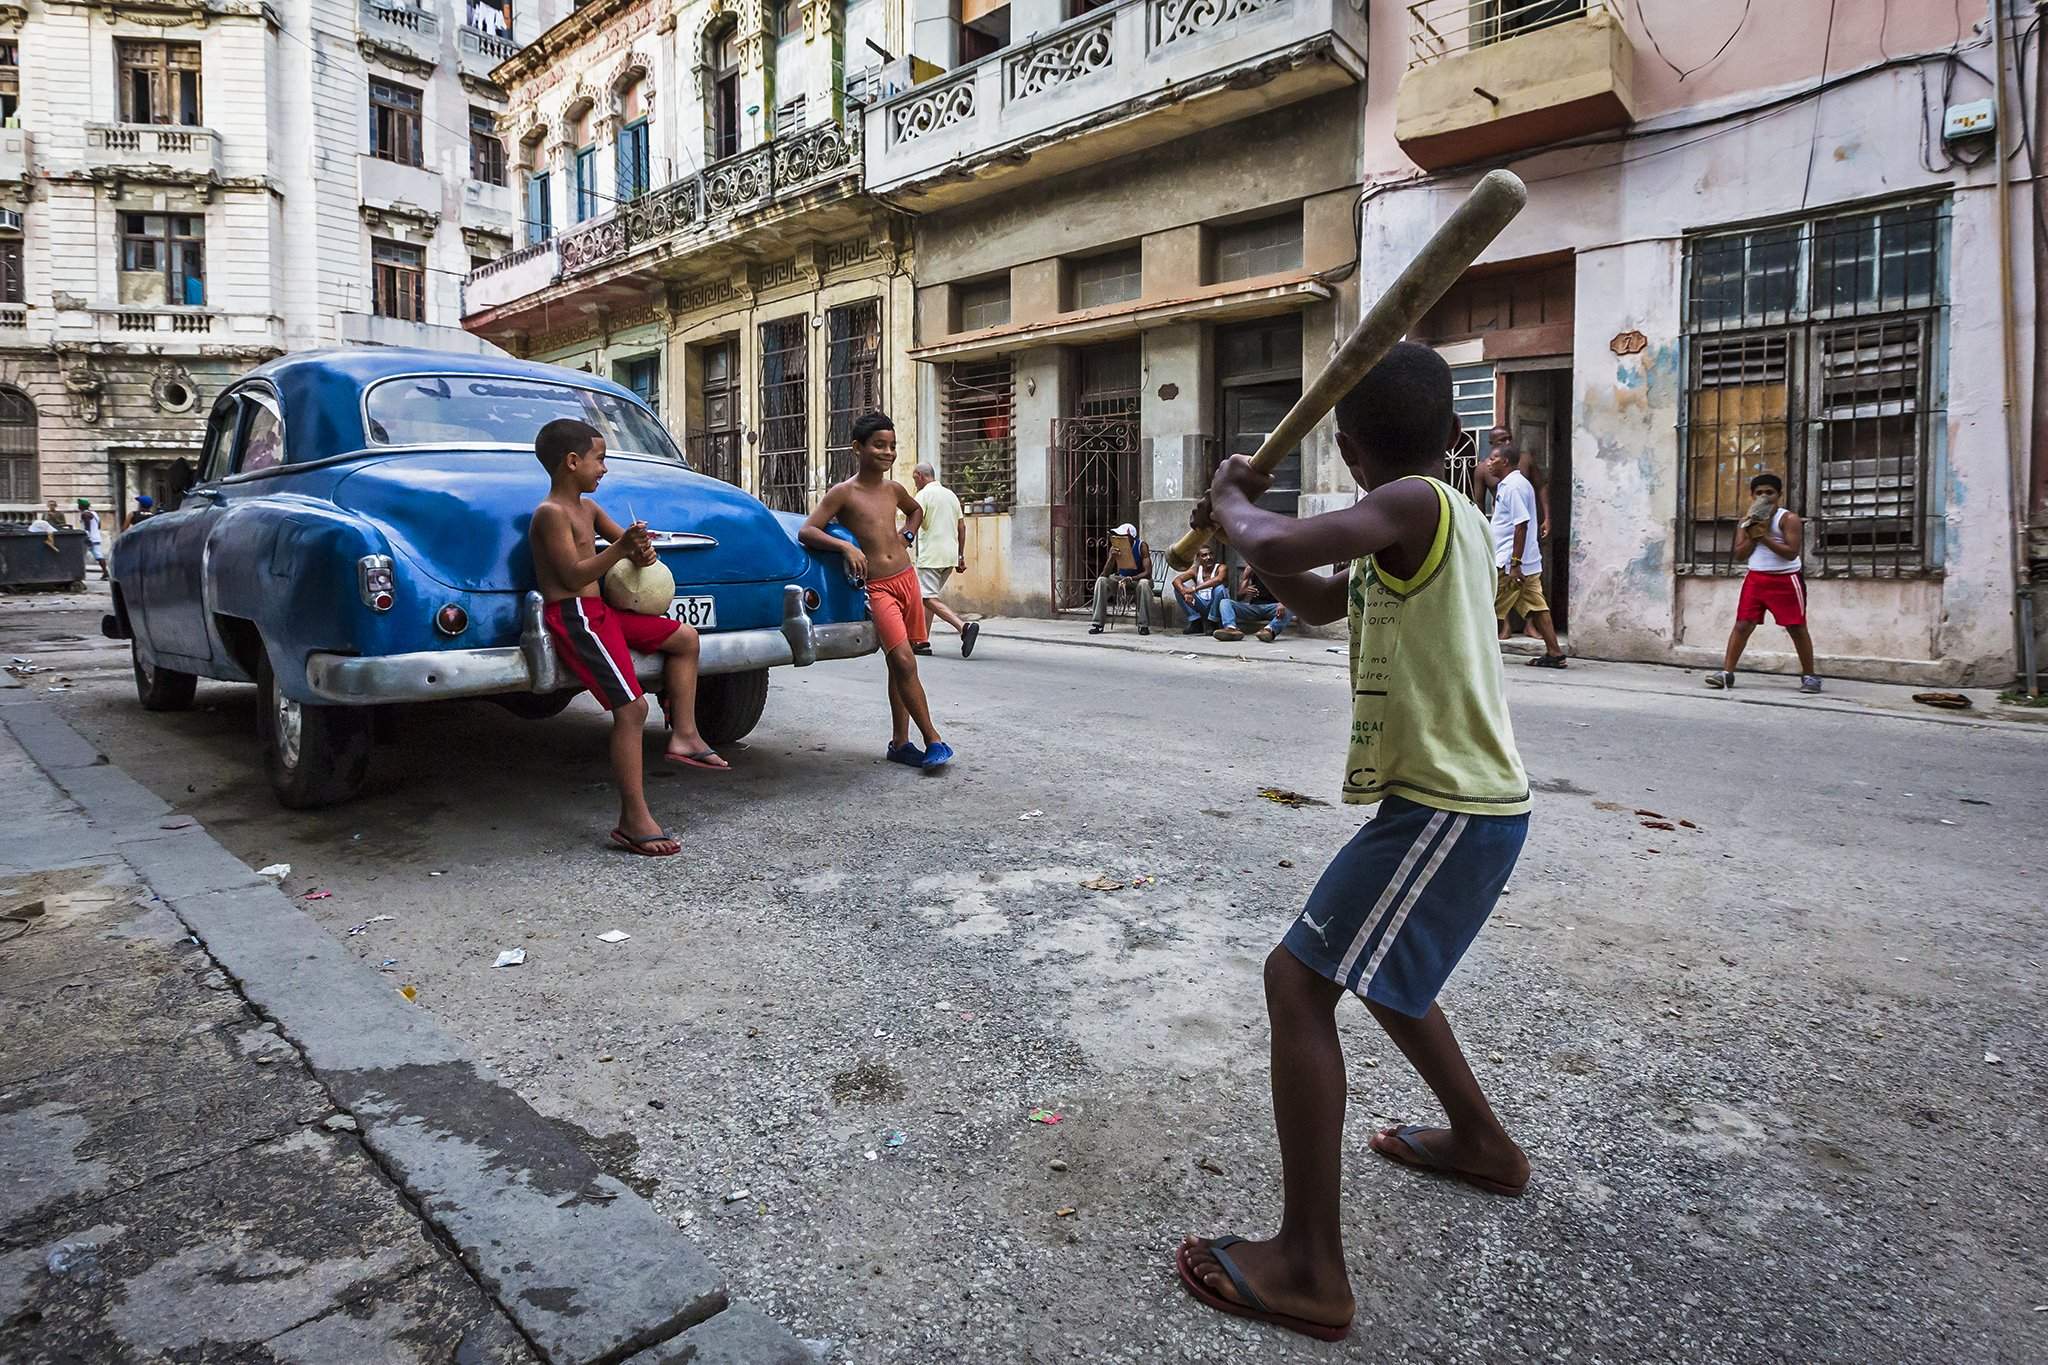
[160, 689]
[536, 705]
[729, 705]
[315, 755]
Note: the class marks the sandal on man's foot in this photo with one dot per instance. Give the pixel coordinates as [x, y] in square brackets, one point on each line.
[1253, 1306]
[969, 633]
[1414, 1155]
[1547, 661]
[640, 846]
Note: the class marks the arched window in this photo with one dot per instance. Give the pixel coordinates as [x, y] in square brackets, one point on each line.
[20, 479]
[540, 194]
[722, 91]
[583, 139]
[636, 153]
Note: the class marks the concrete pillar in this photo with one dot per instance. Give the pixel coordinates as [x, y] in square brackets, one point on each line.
[1035, 292]
[1038, 399]
[1326, 483]
[1171, 262]
[933, 34]
[1176, 419]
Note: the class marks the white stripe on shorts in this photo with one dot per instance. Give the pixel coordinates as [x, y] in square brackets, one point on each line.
[597, 645]
[1393, 889]
[1436, 860]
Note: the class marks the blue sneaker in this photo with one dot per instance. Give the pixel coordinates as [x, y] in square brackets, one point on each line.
[938, 756]
[906, 753]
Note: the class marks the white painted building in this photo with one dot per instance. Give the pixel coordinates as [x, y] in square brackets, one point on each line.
[194, 186]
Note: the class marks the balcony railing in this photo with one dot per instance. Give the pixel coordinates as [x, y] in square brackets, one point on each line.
[481, 50]
[173, 146]
[13, 317]
[1129, 65]
[723, 190]
[186, 321]
[408, 18]
[1444, 28]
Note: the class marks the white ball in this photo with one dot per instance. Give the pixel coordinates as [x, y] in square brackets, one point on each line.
[648, 591]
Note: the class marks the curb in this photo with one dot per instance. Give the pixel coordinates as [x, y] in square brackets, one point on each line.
[589, 1272]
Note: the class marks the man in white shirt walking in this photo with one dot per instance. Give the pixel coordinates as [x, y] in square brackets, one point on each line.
[939, 553]
[1518, 555]
[95, 539]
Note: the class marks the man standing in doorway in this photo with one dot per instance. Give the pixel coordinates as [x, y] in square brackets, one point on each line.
[939, 553]
[1518, 555]
[1776, 581]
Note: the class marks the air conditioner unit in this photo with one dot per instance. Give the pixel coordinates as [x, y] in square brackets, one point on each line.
[10, 220]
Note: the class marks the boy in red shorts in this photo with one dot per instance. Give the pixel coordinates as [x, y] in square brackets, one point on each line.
[1776, 582]
[866, 505]
[594, 640]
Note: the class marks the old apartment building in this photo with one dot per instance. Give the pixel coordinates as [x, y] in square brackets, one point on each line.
[1749, 246]
[189, 187]
[695, 227]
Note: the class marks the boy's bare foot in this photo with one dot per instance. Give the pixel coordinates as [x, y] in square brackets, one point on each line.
[1313, 1294]
[1495, 1169]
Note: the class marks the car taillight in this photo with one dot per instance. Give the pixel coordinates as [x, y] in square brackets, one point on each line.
[451, 620]
[377, 582]
[811, 599]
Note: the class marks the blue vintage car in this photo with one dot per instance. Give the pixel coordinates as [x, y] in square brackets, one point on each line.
[357, 537]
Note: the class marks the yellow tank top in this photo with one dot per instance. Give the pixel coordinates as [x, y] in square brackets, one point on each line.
[1429, 711]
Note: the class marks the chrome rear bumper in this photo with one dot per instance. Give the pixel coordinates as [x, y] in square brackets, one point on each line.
[438, 675]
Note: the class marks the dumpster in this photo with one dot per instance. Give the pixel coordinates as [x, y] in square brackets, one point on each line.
[40, 559]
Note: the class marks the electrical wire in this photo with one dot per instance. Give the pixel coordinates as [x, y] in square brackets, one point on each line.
[1813, 138]
[1658, 48]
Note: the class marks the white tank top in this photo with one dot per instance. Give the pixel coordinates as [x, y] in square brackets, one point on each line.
[1763, 559]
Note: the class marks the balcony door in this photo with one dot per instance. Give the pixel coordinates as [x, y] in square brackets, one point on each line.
[723, 91]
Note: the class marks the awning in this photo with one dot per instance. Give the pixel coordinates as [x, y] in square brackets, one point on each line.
[1213, 303]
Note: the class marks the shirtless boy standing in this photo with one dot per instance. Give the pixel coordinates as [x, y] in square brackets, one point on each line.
[866, 505]
[594, 639]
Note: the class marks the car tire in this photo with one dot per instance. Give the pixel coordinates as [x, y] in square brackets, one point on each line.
[160, 689]
[729, 705]
[536, 705]
[315, 755]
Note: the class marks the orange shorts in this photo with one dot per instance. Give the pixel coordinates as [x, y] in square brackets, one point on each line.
[897, 604]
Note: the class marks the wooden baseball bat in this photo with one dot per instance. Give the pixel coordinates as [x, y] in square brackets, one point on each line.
[1472, 226]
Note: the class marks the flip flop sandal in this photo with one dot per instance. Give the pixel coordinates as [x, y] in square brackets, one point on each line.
[640, 846]
[1420, 1158]
[1253, 1306]
[1547, 661]
[697, 761]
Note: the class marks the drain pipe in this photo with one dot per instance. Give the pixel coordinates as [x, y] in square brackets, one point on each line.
[2022, 588]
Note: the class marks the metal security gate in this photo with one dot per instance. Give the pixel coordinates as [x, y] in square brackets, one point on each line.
[1095, 487]
[853, 380]
[785, 415]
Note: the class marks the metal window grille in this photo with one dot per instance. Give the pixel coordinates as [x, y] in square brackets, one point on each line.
[785, 415]
[1811, 354]
[978, 443]
[716, 453]
[19, 472]
[1444, 28]
[853, 379]
[395, 122]
[1472, 398]
[398, 281]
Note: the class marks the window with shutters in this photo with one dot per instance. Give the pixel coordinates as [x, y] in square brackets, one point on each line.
[163, 259]
[13, 282]
[1265, 246]
[19, 468]
[636, 161]
[395, 122]
[398, 280]
[486, 148]
[985, 303]
[1114, 277]
[159, 81]
[977, 443]
[1812, 353]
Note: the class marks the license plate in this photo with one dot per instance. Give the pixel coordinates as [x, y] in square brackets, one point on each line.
[699, 612]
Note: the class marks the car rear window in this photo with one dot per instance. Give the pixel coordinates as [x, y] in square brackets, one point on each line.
[425, 410]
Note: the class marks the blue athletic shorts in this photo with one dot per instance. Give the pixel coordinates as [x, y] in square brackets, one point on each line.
[1400, 903]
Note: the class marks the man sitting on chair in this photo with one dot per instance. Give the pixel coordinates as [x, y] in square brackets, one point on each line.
[1127, 569]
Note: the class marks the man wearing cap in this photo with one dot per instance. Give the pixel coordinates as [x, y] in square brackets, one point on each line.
[1136, 580]
[89, 522]
[145, 508]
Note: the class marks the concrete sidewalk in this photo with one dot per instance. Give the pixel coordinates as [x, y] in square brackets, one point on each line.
[1757, 689]
[222, 1138]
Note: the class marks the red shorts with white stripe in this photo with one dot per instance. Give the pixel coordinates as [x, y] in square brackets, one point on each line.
[1781, 594]
[595, 642]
